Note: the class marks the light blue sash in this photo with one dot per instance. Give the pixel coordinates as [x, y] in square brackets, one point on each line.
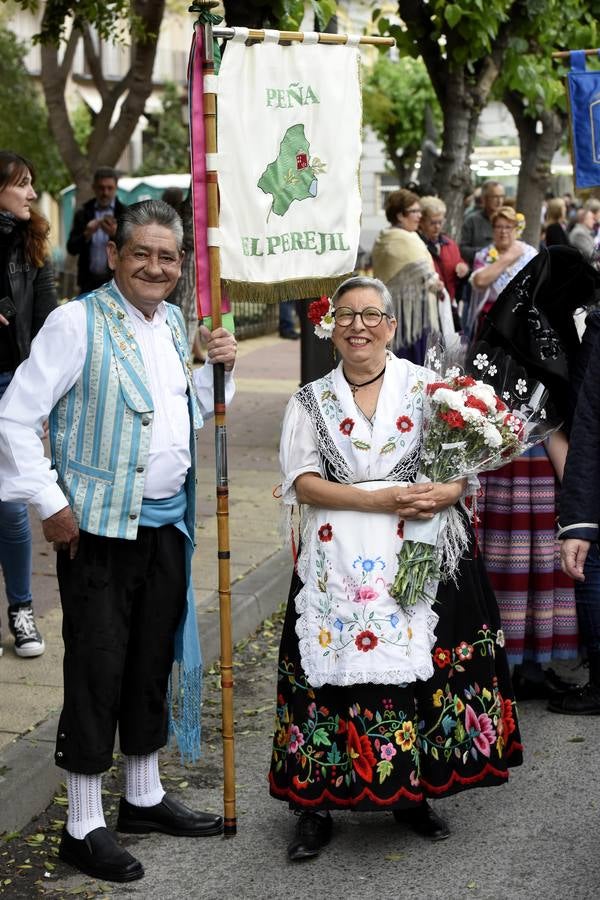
[185, 687]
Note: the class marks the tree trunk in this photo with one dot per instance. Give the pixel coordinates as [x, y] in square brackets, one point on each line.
[452, 180]
[106, 143]
[537, 152]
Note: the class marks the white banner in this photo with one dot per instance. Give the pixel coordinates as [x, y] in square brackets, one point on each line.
[289, 139]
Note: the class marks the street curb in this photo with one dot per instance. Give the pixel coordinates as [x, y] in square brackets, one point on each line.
[29, 779]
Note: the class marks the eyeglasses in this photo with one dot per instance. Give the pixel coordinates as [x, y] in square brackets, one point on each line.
[413, 212]
[370, 317]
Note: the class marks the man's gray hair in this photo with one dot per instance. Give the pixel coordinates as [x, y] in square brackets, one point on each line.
[363, 281]
[488, 186]
[148, 212]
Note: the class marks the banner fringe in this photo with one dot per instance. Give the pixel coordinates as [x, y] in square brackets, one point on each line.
[293, 289]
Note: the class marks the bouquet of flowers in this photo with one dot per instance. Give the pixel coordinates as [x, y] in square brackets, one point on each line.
[470, 426]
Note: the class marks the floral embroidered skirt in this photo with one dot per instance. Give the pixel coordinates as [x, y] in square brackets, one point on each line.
[369, 747]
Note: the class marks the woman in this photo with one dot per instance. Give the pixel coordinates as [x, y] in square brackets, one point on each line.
[555, 228]
[403, 263]
[581, 236]
[518, 507]
[375, 711]
[27, 296]
[496, 265]
[449, 264]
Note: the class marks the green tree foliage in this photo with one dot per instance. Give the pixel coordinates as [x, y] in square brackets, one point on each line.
[284, 14]
[396, 96]
[166, 138]
[24, 119]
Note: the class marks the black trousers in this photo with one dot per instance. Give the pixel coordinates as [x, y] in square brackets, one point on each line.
[122, 601]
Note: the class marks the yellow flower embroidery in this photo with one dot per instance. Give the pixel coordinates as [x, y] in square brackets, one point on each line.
[459, 706]
[405, 736]
[437, 697]
[324, 637]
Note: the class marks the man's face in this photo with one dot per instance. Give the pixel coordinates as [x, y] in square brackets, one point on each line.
[493, 199]
[105, 190]
[148, 266]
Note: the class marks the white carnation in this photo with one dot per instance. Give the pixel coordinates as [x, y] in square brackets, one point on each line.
[491, 435]
[453, 399]
[485, 393]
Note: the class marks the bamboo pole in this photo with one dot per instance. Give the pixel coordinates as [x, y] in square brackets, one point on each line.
[257, 34]
[565, 54]
[222, 482]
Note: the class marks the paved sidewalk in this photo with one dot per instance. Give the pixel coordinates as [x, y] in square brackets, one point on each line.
[267, 372]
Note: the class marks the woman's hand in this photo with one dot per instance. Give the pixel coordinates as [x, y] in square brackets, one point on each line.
[416, 501]
[445, 495]
[513, 253]
[3, 321]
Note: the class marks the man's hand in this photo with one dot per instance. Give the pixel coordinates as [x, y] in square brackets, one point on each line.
[62, 530]
[573, 553]
[109, 225]
[221, 346]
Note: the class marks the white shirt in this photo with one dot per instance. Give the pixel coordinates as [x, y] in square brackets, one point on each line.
[56, 362]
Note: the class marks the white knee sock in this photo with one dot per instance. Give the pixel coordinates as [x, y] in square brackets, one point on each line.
[85, 804]
[142, 780]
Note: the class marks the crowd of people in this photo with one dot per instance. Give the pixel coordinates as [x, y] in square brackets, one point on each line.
[381, 705]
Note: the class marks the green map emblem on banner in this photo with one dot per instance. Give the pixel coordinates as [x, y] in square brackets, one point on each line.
[292, 176]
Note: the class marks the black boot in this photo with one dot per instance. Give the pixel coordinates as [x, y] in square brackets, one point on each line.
[424, 821]
[313, 832]
[584, 701]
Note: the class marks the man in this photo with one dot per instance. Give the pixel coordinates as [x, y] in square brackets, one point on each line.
[94, 224]
[477, 227]
[112, 369]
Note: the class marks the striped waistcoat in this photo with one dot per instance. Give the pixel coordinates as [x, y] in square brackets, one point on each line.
[100, 430]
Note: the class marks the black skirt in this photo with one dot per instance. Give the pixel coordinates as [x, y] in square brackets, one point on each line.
[374, 746]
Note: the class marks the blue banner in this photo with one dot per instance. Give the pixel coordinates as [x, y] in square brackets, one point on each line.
[584, 106]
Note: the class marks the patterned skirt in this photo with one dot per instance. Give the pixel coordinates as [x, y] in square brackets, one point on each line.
[517, 538]
[373, 746]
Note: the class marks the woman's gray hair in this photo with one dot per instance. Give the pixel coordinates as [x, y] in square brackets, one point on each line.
[148, 212]
[363, 281]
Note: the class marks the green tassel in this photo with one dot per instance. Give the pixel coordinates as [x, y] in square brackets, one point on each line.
[295, 289]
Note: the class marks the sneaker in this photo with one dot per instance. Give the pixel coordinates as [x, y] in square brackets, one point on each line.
[28, 640]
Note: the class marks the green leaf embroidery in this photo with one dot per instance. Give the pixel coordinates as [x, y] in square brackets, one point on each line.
[320, 738]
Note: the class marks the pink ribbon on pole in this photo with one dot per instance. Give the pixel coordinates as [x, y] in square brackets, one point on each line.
[198, 162]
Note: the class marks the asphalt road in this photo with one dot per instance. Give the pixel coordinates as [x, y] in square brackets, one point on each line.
[537, 838]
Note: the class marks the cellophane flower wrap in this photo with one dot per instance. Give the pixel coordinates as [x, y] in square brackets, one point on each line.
[472, 423]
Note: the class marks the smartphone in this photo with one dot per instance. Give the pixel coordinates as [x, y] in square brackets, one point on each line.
[7, 308]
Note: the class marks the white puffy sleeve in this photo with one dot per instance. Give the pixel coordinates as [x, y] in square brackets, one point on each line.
[298, 452]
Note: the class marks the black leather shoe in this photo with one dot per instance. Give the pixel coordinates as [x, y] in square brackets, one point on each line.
[584, 701]
[170, 817]
[547, 687]
[313, 832]
[424, 821]
[98, 854]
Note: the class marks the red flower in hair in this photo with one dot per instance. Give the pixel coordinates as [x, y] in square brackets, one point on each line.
[453, 418]
[346, 426]
[317, 309]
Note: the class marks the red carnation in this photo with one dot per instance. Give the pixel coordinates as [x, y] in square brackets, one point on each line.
[325, 532]
[464, 381]
[318, 309]
[453, 418]
[346, 426]
[404, 424]
[500, 406]
[475, 403]
[400, 529]
[433, 387]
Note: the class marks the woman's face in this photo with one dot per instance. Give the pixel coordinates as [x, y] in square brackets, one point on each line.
[410, 219]
[16, 198]
[504, 233]
[359, 343]
[431, 226]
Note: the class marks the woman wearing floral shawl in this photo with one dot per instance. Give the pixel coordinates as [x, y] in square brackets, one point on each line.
[379, 706]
